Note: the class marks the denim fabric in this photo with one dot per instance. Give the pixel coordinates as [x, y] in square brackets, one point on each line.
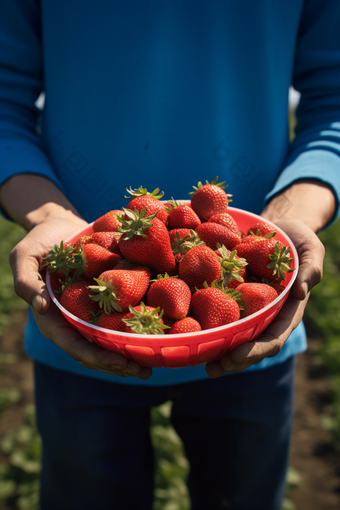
[97, 450]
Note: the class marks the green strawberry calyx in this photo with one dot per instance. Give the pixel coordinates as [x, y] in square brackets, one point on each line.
[236, 296]
[230, 265]
[136, 224]
[280, 262]
[212, 183]
[145, 322]
[186, 243]
[173, 204]
[258, 233]
[164, 276]
[143, 192]
[95, 317]
[106, 297]
[60, 258]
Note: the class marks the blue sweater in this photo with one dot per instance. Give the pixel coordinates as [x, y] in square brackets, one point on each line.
[164, 94]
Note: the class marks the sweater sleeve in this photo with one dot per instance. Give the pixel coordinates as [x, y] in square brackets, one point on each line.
[21, 82]
[315, 151]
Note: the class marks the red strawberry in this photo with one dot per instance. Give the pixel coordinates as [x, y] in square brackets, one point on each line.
[169, 322]
[233, 267]
[198, 265]
[108, 240]
[226, 220]
[119, 288]
[209, 199]
[112, 321]
[186, 325]
[171, 295]
[278, 286]
[261, 228]
[255, 296]
[109, 222]
[150, 201]
[146, 241]
[266, 257]
[92, 259]
[213, 308]
[144, 320]
[213, 233]
[76, 299]
[181, 216]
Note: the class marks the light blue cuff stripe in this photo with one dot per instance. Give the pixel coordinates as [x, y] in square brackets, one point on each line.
[319, 164]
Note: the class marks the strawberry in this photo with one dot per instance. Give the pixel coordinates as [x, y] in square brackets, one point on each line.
[181, 216]
[119, 288]
[112, 321]
[213, 308]
[150, 201]
[169, 322]
[183, 239]
[278, 286]
[213, 233]
[109, 222]
[233, 267]
[92, 259]
[171, 295]
[209, 199]
[198, 265]
[76, 298]
[186, 325]
[144, 320]
[108, 240]
[266, 257]
[261, 228]
[146, 241]
[255, 296]
[226, 220]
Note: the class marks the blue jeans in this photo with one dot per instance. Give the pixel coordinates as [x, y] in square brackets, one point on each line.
[97, 451]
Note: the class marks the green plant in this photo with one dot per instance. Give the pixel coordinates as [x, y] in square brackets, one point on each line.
[19, 479]
[10, 234]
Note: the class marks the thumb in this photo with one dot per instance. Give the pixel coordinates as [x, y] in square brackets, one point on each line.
[28, 283]
[311, 257]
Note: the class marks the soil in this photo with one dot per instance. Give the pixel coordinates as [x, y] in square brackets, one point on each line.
[311, 454]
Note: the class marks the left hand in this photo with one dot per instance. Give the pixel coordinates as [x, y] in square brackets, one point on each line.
[311, 254]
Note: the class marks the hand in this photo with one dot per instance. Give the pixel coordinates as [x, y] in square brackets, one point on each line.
[26, 259]
[311, 254]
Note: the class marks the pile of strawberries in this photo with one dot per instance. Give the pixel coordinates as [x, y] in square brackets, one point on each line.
[156, 267]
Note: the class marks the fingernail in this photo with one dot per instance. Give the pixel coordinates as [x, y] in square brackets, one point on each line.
[37, 303]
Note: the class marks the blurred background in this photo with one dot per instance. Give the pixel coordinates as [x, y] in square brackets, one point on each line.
[313, 481]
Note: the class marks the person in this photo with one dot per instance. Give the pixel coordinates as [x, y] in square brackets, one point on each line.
[163, 94]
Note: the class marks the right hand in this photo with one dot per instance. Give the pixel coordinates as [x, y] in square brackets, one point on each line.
[25, 259]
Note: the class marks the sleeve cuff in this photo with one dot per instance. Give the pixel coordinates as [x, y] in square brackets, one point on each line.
[23, 157]
[321, 165]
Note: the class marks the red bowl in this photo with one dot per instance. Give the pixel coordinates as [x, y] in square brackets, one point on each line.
[189, 349]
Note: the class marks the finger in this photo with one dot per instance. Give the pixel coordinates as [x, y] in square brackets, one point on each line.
[28, 283]
[311, 256]
[54, 327]
[267, 345]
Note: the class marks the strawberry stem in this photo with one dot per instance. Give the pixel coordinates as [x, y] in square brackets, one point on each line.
[144, 322]
[143, 192]
[280, 262]
[106, 298]
[136, 224]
